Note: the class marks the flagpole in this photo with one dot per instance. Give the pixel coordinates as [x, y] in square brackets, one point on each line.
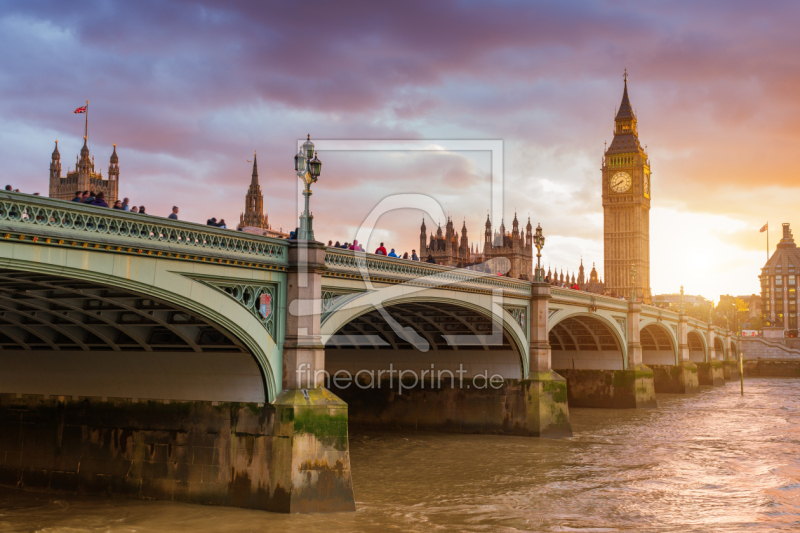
[86, 126]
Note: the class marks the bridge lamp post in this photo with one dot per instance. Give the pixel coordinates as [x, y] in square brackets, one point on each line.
[308, 167]
[538, 241]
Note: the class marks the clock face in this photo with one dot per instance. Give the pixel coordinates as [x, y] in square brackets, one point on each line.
[621, 182]
[647, 184]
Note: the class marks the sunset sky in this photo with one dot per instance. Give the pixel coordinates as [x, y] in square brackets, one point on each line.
[190, 90]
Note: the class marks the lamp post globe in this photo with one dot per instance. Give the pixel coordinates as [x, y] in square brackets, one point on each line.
[538, 241]
[308, 168]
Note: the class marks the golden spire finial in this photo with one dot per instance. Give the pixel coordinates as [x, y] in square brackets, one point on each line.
[309, 137]
[625, 76]
[115, 145]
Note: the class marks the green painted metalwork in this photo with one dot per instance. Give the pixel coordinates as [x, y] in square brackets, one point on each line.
[402, 270]
[248, 296]
[57, 218]
[519, 314]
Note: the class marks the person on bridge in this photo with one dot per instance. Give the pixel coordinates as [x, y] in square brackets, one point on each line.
[405, 255]
[392, 253]
[76, 199]
[141, 210]
[381, 250]
[414, 256]
[100, 200]
[125, 205]
[354, 246]
[117, 205]
[430, 260]
[174, 214]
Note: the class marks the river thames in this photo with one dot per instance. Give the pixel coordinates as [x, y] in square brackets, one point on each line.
[714, 461]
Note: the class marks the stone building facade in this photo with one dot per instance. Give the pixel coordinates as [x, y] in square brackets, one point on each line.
[779, 284]
[84, 177]
[503, 251]
[254, 219]
[446, 248]
[626, 207]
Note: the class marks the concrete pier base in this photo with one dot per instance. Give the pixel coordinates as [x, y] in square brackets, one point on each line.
[726, 370]
[611, 389]
[711, 373]
[310, 465]
[675, 379]
[195, 452]
[534, 407]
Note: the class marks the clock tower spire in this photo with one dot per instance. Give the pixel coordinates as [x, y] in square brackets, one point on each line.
[626, 206]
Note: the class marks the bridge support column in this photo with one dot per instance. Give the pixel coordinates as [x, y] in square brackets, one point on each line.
[310, 457]
[726, 367]
[711, 372]
[547, 412]
[638, 377]
[685, 371]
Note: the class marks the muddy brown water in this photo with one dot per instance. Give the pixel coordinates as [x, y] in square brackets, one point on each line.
[713, 461]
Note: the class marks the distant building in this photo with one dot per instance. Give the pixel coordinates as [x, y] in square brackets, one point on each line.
[446, 248]
[673, 301]
[84, 177]
[593, 284]
[253, 219]
[779, 284]
[503, 251]
[745, 308]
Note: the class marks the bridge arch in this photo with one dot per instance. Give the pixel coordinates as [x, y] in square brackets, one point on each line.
[659, 345]
[128, 327]
[440, 330]
[698, 350]
[719, 348]
[586, 341]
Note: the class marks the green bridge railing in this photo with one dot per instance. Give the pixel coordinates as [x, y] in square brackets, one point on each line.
[48, 217]
[403, 270]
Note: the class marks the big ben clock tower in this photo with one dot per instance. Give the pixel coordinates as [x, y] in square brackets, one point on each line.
[626, 207]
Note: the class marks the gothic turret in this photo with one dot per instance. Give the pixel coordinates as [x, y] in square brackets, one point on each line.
[581, 278]
[84, 177]
[113, 165]
[55, 164]
[253, 215]
[423, 237]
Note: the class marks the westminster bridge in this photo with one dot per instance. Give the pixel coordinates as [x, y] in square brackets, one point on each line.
[157, 358]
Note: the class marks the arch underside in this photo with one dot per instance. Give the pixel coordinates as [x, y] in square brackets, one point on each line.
[63, 336]
[442, 335]
[697, 347]
[585, 343]
[719, 348]
[658, 347]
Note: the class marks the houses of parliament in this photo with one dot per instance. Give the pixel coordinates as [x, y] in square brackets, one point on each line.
[625, 193]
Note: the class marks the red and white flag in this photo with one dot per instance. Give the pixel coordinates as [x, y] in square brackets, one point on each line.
[763, 229]
[81, 109]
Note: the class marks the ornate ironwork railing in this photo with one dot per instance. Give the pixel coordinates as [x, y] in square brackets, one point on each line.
[404, 270]
[24, 212]
[590, 299]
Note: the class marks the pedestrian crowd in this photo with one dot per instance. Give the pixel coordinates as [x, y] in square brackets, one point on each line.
[381, 250]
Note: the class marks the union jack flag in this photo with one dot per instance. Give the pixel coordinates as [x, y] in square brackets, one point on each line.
[81, 109]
